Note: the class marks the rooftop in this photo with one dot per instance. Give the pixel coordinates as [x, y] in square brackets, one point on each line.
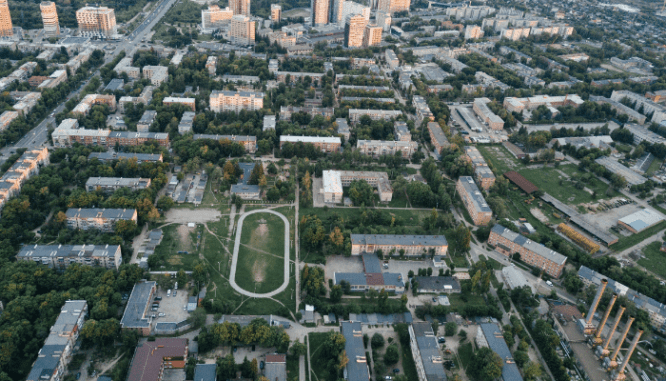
[642, 219]
[357, 367]
[473, 191]
[149, 356]
[429, 349]
[530, 245]
[398, 240]
[137, 305]
[495, 341]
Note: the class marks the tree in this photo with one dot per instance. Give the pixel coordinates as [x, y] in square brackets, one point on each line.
[377, 341]
[450, 328]
[485, 365]
[257, 174]
[336, 293]
[392, 355]
[361, 193]
[165, 203]
[532, 371]
[298, 349]
[435, 326]
[226, 367]
[521, 358]
[198, 317]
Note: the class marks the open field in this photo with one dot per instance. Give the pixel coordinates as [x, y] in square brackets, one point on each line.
[500, 158]
[178, 238]
[557, 185]
[318, 360]
[655, 260]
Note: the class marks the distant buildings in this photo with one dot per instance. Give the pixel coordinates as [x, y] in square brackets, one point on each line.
[240, 7]
[378, 148]
[224, 100]
[392, 59]
[125, 66]
[56, 353]
[247, 141]
[633, 64]
[473, 32]
[396, 244]
[473, 199]
[50, 18]
[393, 6]
[354, 30]
[189, 102]
[28, 165]
[242, 29]
[211, 65]
[276, 13]
[530, 103]
[356, 114]
[640, 102]
[68, 133]
[334, 181]
[319, 10]
[325, 144]
[214, 18]
[620, 108]
[96, 21]
[100, 219]
[534, 254]
[60, 257]
[6, 27]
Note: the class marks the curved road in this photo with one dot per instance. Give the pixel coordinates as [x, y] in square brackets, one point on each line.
[234, 261]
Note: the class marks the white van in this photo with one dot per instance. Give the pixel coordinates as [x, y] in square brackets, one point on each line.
[175, 287]
[549, 283]
[168, 292]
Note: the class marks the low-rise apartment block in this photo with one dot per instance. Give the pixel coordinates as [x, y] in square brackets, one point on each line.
[473, 199]
[144, 98]
[343, 128]
[437, 137]
[186, 122]
[357, 364]
[60, 257]
[25, 167]
[425, 349]
[269, 123]
[294, 76]
[156, 74]
[68, 133]
[111, 184]
[422, 110]
[620, 108]
[325, 144]
[530, 103]
[378, 148]
[482, 173]
[356, 114]
[7, 118]
[333, 181]
[649, 107]
[25, 101]
[391, 59]
[136, 316]
[147, 119]
[109, 156]
[151, 358]
[90, 100]
[189, 102]
[224, 100]
[211, 65]
[485, 113]
[395, 244]
[534, 254]
[247, 141]
[56, 353]
[100, 219]
[401, 131]
[287, 111]
[125, 66]
[53, 80]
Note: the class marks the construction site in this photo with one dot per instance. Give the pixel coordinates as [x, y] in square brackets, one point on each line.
[595, 344]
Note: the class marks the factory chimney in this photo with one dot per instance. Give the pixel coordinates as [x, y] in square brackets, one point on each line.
[605, 352]
[597, 337]
[619, 376]
[589, 328]
[613, 364]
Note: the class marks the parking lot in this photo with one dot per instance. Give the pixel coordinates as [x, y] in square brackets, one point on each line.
[172, 306]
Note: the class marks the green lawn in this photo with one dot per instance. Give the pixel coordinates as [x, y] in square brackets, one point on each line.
[465, 352]
[557, 185]
[655, 260]
[318, 361]
[654, 166]
[261, 254]
[627, 242]
[293, 368]
[172, 243]
[458, 304]
[501, 159]
[399, 200]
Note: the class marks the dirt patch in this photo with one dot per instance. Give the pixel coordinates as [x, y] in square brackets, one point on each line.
[262, 229]
[259, 271]
[184, 237]
[175, 261]
[538, 214]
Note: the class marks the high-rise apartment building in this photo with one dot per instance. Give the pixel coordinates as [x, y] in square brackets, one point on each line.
[319, 12]
[384, 20]
[393, 6]
[96, 21]
[213, 17]
[355, 30]
[372, 35]
[241, 30]
[50, 18]
[336, 11]
[5, 20]
[352, 8]
[276, 12]
[240, 7]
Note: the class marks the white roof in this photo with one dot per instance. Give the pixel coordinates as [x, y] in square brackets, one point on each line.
[332, 182]
[642, 219]
[310, 139]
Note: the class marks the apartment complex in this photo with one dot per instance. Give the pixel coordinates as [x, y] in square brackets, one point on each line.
[50, 18]
[100, 219]
[189, 102]
[485, 113]
[356, 114]
[225, 100]
[394, 244]
[68, 133]
[242, 29]
[156, 74]
[111, 184]
[357, 364]
[378, 148]
[334, 181]
[240, 7]
[144, 98]
[530, 103]
[372, 36]
[96, 21]
[325, 144]
[437, 137]
[355, 30]
[214, 18]
[393, 6]
[56, 353]
[110, 156]
[60, 257]
[7, 118]
[426, 352]
[473, 32]
[534, 254]
[125, 66]
[135, 317]
[53, 80]
[5, 20]
[401, 131]
[151, 358]
[147, 119]
[649, 107]
[482, 173]
[211, 65]
[90, 100]
[319, 10]
[473, 199]
[276, 13]
[186, 122]
[25, 167]
[249, 142]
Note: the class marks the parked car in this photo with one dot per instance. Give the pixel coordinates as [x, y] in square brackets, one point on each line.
[261, 365]
[441, 340]
[175, 293]
[396, 370]
[158, 298]
[161, 314]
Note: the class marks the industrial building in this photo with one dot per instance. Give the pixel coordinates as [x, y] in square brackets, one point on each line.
[640, 220]
[60, 257]
[473, 199]
[393, 244]
[100, 219]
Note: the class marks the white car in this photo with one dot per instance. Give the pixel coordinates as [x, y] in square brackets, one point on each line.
[161, 314]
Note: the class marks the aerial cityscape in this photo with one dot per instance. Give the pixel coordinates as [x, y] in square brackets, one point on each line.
[328, 190]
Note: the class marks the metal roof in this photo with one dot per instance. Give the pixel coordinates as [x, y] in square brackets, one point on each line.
[473, 191]
[396, 239]
[357, 367]
[495, 340]
[133, 317]
[530, 245]
[431, 357]
[205, 372]
[642, 219]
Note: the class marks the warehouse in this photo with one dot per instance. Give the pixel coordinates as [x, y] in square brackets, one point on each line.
[640, 220]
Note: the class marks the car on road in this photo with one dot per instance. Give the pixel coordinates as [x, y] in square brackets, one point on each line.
[434, 300]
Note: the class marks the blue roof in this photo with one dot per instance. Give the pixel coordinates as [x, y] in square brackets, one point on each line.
[357, 367]
[429, 350]
[247, 172]
[205, 372]
[371, 263]
[495, 339]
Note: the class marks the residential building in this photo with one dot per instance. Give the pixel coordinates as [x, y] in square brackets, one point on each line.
[551, 102]
[401, 131]
[633, 64]
[343, 128]
[319, 12]
[482, 173]
[6, 27]
[426, 352]
[269, 122]
[96, 21]
[186, 122]
[90, 100]
[156, 74]
[534, 254]
[334, 181]
[214, 18]
[468, 12]
[151, 358]
[372, 35]
[75, 63]
[242, 29]
[68, 133]
[642, 134]
[422, 110]
[147, 119]
[60, 257]
[110, 156]
[189, 102]
[37, 80]
[100, 219]
[356, 114]
[620, 108]
[225, 100]
[616, 167]
[372, 277]
[208, 372]
[354, 30]
[144, 98]
[649, 107]
[378, 148]
[473, 199]
[53, 80]
[392, 59]
[248, 142]
[50, 18]
[111, 184]
[25, 167]
[282, 76]
[483, 111]
[282, 39]
[437, 137]
[325, 144]
[125, 66]
[25, 101]
[473, 32]
[392, 244]
[240, 7]
[490, 81]
[56, 353]
[357, 364]
[384, 20]
[136, 316]
[337, 7]
[393, 6]
[276, 13]
[489, 335]
[211, 65]
[437, 285]
[275, 367]
[7, 118]
[240, 78]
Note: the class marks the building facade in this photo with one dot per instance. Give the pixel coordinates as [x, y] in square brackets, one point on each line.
[224, 100]
[355, 30]
[60, 257]
[96, 21]
[50, 18]
[394, 244]
[240, 7]
[276, 13]
[214, 18]
[372, 36]
[325, 144]
[6, 26]
[473, 199]
[241, 30]
[319, 11]
[378, 148]
[100, 219]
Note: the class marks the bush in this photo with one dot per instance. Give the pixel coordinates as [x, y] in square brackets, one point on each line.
[450, 328]
[377, 341]
[392, 355]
